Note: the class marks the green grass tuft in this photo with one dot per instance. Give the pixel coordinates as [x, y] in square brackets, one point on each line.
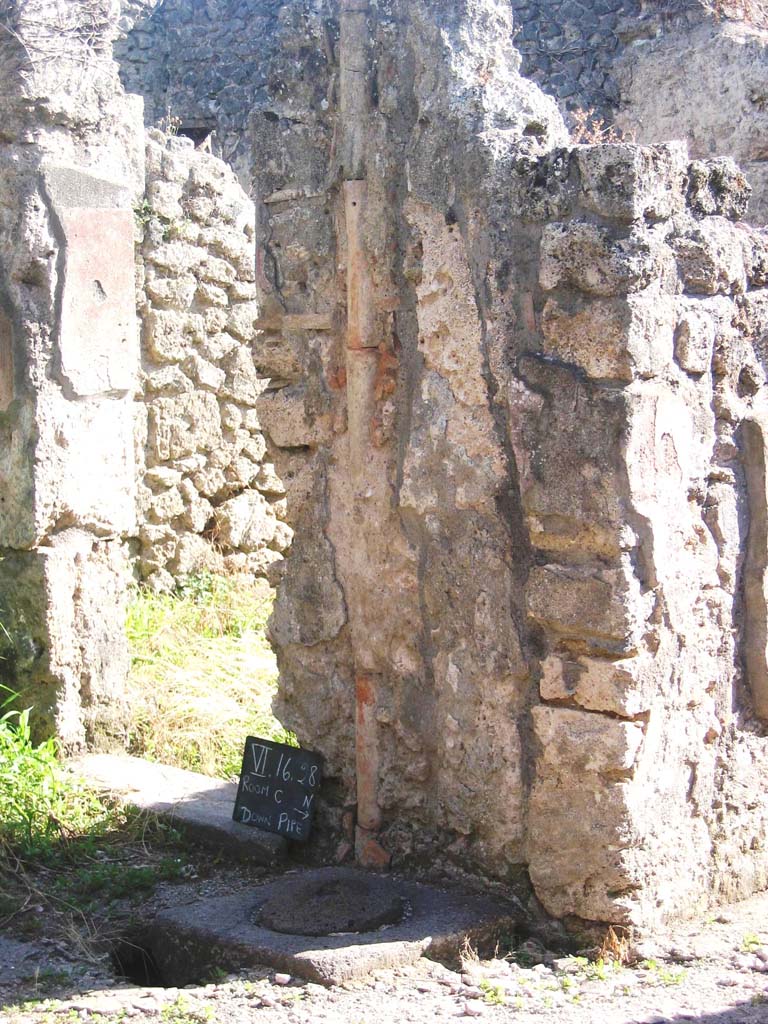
[203, 675]
[41, 802]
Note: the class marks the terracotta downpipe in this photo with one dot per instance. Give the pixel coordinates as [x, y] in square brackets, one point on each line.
[361, 365]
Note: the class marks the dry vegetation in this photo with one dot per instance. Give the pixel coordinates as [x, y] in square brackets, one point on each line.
[203, 673]
[589, 128]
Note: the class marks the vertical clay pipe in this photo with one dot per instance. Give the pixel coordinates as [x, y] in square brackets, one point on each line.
[361, 364]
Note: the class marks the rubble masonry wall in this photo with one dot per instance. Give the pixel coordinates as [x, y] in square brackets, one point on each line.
[207, 497]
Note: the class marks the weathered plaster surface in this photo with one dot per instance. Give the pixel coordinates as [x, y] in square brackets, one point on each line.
[70, 166]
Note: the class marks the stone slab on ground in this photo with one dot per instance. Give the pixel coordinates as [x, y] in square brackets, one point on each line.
[190, 942]
[202, 806]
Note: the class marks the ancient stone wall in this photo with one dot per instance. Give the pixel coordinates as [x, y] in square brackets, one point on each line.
[70, 168]
[617, 58]
[520, 564]
[508, 383]
[220, 64]
[568, 48]
[207, 497]
[727, 111]
[516, 397]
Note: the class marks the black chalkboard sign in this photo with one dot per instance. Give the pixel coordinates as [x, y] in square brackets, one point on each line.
[278, 788]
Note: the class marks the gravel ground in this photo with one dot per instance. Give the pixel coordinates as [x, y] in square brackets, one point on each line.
[715, 971]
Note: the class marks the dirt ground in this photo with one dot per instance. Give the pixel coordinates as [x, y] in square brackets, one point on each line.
[714, 971]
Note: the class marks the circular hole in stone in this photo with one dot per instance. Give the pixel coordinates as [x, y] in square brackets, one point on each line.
[331, 906]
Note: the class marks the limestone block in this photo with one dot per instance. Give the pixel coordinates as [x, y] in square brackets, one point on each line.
[159, 478]
[585, 603]
[710, 258]
[184, 424]
[197, 511]
[282, 538]
[169, 334]
[173, 166]
[260, 562]
[588, 869]
[246, 522]
[168, 380]
[160, 582]
[229, 243]
[574, 741]
[241, 321]
[571, 493]
[694, 341]
[278, 356]
[268, 482]
[718, 187]
[206, 374]
[164, 198]
[193, 555]
[596, 684]
[251, 421]
[587, 257]
[242, 383]
[199, 208]
[231, 416]
[215, 270]
[216, 320]
[628, 182]
[242, 291]
[166, 506]
[211, 294]
[254, 447]
[177, 257]
[236, 562]
[215, 345]
[210, 481]
[209, 176]
[158, 547]
[284, 419]
[241, 472]
[755, 244]
[610, 339]
[175, 292]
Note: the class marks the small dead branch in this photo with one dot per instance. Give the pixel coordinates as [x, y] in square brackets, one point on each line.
[589, 128]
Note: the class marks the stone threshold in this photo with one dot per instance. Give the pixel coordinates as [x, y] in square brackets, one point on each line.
[197, 804]
[195, 940]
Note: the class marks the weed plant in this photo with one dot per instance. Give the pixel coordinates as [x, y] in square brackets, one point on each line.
[40, 802]
[65, 854]
[203, 674]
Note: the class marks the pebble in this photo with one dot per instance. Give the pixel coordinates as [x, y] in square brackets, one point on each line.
[473, 1009]
[282, 979]
[565, 965]
[747, 962]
